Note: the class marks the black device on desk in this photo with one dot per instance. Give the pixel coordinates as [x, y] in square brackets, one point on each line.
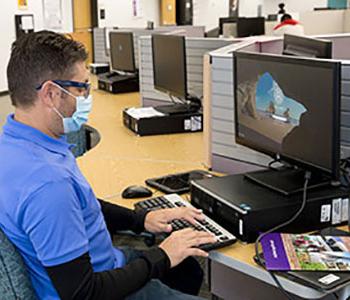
[247, 209]
[170, 74]
[177, 183]
[294, 117]
[277, 113]
[172, 201]
[136, 191]
[123, 77]
[250, 26]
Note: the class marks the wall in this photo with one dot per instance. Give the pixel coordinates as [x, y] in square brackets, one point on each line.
[207, 12]
[119, 13]
[7, 25]
[271, 6]
[249, 8]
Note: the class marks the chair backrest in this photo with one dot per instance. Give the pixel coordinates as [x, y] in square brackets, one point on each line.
[14, 280]
[78, 138]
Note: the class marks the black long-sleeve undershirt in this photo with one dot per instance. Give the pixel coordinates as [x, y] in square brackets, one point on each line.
[77, 280]
[121, 218]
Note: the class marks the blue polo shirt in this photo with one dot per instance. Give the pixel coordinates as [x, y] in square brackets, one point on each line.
[47, 208]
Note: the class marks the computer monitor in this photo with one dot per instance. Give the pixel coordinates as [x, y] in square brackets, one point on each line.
[250, 26]
[289, 108]
[122, 52]
[169, 64]
[305, 46]
[223, 21]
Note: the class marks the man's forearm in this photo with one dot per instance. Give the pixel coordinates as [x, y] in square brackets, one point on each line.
[76, 279]
[121, 218]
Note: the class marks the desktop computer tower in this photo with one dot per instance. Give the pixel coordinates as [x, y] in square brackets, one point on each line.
[116, 84]
[246, 209]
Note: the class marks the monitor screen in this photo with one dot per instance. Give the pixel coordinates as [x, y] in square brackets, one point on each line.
[289, 107]
[122, 51]
[305, 46]
[169, 64]
[250, 26]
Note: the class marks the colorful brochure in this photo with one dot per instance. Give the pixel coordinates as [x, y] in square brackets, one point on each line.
[285, 252]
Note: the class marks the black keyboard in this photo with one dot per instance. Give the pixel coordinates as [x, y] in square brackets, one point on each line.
[173, 200]
[177, 183]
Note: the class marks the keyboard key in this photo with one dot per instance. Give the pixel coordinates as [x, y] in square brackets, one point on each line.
[173, 200]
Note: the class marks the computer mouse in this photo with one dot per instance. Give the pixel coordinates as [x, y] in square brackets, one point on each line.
[136, 191]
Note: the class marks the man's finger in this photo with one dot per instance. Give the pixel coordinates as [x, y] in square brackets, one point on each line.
[196, 252]
[201, 240]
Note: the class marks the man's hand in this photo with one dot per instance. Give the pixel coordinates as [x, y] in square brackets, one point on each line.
[157, 221]
[180, 244]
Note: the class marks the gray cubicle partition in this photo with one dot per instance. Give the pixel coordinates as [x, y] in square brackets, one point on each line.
[99, 38]
[99, 45]
[195, 50]
[226, 155]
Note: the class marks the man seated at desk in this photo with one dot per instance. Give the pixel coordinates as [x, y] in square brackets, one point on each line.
[49, 211]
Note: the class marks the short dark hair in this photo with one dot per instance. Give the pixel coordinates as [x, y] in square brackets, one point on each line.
[37, 57]
[286, 17]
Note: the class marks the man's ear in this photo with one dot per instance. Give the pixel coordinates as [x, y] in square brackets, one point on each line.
[49, 94]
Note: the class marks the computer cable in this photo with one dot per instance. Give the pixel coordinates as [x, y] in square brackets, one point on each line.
[291, 220]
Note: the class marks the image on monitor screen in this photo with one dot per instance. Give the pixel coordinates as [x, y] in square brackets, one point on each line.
[289, 107]
[122, 51]
[169, 64]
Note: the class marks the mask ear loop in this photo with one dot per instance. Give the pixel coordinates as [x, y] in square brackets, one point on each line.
[54, 107]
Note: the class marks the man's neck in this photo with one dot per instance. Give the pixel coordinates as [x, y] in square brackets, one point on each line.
[30, 119]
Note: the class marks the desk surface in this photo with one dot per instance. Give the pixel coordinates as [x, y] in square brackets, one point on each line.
[122, 159]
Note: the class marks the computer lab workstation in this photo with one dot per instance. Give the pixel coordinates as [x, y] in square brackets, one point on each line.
[251, 129]
[274, 117]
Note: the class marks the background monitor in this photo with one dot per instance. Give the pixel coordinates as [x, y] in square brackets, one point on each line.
[223, 21]
[250, 26]
[290, 108]
[169, 64]
[305, 46]
[122, 51]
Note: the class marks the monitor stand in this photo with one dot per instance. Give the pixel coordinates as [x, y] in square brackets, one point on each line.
[287, 181]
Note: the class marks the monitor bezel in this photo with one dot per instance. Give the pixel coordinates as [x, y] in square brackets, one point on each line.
[131, 35]
[160, 88]
[334, 172]
[225, 20]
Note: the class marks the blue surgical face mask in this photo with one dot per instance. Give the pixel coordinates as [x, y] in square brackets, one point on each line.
[81, 114]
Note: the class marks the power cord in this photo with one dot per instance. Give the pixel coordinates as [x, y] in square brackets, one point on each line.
[291, 220]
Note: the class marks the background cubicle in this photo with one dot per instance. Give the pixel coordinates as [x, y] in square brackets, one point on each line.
[195, 50]
[223, 154]
[101, 51]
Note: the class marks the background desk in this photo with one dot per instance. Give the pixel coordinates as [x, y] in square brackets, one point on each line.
[122, 159]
